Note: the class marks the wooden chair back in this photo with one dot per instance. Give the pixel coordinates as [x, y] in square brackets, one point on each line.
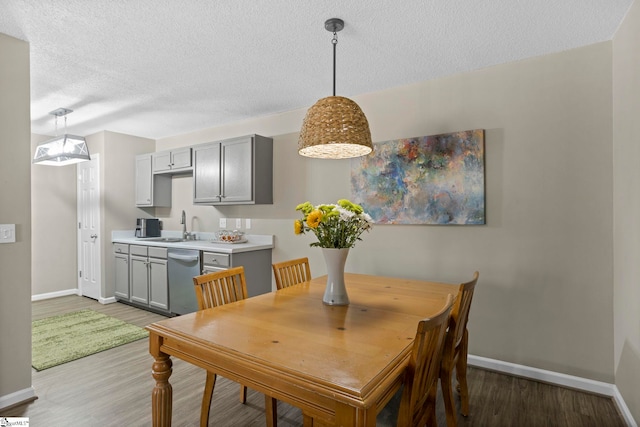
[292, 272]
[421, 378]
[460, 312]
[220, 287]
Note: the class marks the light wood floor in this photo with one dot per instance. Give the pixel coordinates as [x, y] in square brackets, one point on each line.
[113, 388]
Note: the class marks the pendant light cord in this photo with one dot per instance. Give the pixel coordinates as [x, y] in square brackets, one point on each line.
[334, 41]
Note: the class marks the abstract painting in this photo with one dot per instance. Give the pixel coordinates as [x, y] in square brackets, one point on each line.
[435, 179]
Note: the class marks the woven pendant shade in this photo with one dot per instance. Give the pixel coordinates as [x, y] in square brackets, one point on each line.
[335, 128]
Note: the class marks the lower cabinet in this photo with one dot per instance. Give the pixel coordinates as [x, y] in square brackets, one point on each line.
[257, 267]
[121, 257]
[142, 280]
[147, 284]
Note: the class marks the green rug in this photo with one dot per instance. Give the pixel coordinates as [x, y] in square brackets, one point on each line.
[61, 339]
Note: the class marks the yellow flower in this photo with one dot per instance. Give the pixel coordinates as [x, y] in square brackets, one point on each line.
[314, 219]
[298, 226]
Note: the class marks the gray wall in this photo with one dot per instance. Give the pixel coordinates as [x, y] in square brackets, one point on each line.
[15, 208]
[626, 197]
[53, 226]
[545, 295]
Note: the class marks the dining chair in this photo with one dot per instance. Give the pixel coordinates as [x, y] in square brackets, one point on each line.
[455, 352]
[415, 403]
[212, 290]
[291, 272]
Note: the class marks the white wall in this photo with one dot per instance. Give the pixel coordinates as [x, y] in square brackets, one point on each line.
[15, 208]
[545, 295]
[626, 109]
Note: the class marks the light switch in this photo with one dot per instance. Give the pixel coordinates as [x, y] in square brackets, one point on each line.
[247, 223]
[223, 222]
[238, 223]
[7, 233]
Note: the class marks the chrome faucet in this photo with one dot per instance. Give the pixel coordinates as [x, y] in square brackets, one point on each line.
[183, 221]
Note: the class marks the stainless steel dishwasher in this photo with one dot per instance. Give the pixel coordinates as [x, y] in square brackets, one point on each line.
[182, 266]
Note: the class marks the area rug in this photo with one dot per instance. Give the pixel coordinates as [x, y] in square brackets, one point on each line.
[61, 339]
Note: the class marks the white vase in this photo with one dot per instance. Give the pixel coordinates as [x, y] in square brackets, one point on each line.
[336, 292]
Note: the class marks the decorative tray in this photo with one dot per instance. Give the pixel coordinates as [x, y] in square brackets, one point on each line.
[230, 242]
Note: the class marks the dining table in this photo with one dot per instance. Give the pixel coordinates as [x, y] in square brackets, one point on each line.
[339, 364]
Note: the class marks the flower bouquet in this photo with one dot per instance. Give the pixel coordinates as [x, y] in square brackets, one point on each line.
[338, 227]
[335, 226]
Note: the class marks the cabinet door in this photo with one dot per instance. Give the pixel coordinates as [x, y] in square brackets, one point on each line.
[122, 276]
[144, 180]
[139, 272]
[158, 288]
[206, 173]
[161, 161]
[237, 171]
[181, 158]
[151, 190]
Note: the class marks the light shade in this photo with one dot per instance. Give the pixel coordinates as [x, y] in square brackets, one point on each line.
[335, 128]
[62, 150]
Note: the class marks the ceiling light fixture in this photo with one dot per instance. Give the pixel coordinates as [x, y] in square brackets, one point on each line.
[62, 150]
[335, 127]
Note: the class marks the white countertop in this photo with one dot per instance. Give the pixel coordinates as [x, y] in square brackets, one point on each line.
[255, 242]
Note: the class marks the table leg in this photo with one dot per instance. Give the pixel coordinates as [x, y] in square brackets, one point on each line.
[162, 396]
[271, 411]
[358, 417]
[307, 421]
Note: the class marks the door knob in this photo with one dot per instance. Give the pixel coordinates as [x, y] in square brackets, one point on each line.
[94, 236]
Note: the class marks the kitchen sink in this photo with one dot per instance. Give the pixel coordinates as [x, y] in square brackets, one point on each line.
[165, 239]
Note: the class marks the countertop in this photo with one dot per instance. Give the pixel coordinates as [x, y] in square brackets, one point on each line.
[255, 242]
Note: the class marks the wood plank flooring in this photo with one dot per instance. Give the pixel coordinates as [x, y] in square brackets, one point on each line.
[113, 388]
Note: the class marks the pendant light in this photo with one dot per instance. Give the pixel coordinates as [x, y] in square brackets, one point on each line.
[335, 127]
[62, 150]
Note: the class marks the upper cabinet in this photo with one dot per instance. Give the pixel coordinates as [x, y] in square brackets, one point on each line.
[234, 171]
[151, 190]
[174, 161]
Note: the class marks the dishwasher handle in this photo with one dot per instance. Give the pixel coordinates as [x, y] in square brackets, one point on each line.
[187, 258]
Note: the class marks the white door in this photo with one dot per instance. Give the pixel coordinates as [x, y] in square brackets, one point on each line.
[89, 273]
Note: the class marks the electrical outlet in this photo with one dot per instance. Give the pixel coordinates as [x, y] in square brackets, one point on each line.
[223, 222]
[7, 233]
[238, 223]
[247, 223]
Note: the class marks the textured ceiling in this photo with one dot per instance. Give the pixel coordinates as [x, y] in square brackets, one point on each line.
[157, 68]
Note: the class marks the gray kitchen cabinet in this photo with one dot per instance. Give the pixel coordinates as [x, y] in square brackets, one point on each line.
[257, 267]
[234, 171]
[148, 277]
[121, 262]
[174, 161]
[151, 190]
[158, 283]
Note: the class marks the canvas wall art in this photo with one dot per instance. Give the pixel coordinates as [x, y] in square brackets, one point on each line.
[436, 179]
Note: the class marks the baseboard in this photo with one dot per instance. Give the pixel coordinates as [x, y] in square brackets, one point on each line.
[67, 292]
[17, 397]
[623, 408]
[56, 294]
[556, 378]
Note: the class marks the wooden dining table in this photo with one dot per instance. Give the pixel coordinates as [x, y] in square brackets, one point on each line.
[339, 364]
